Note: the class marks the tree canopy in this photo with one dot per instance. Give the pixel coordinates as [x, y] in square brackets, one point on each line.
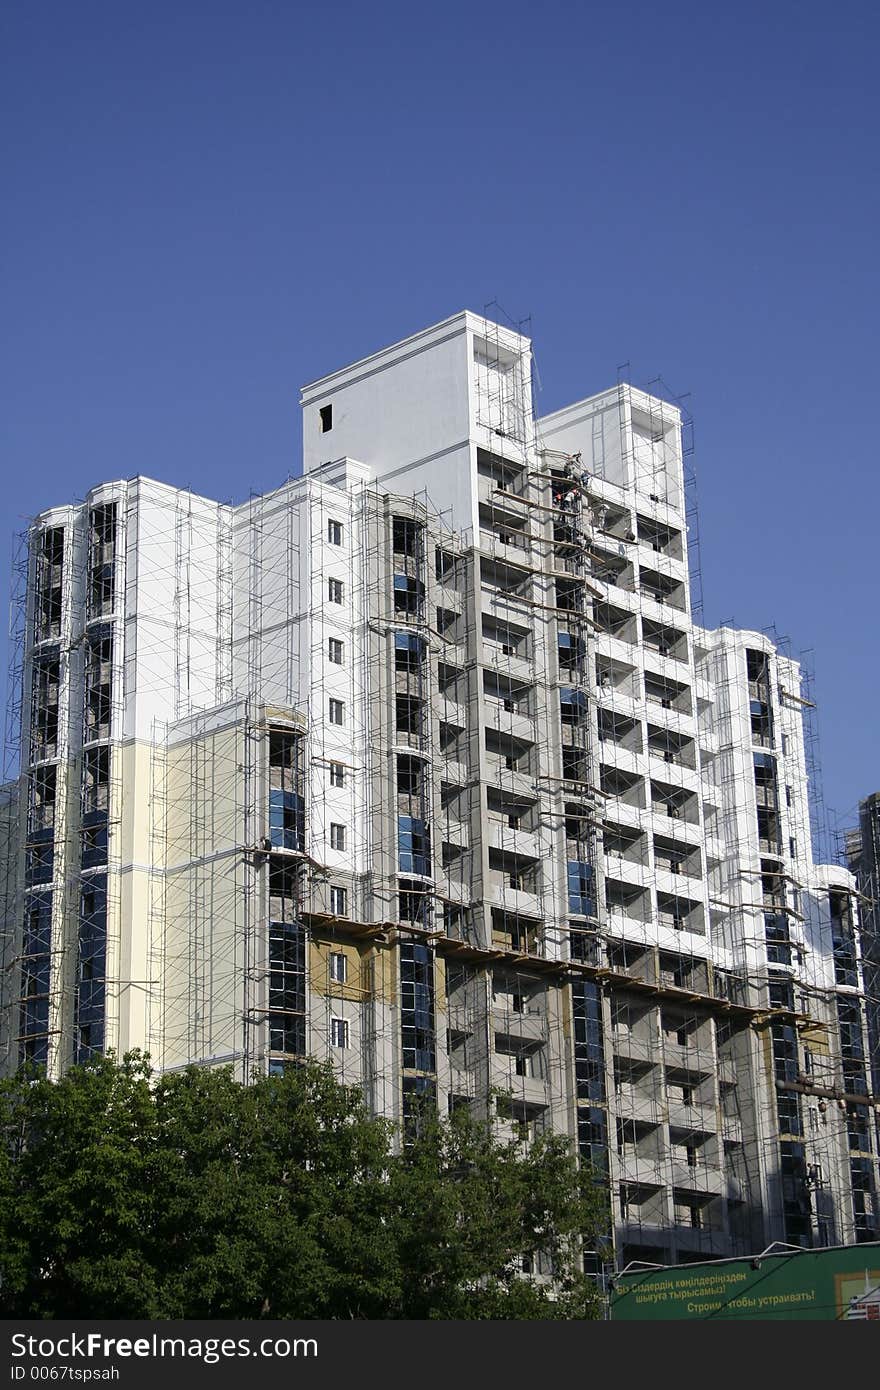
[190, 1195]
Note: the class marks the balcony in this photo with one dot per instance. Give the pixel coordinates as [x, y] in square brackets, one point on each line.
[453, 770]
[618, 699]
[461, 1081]
[450, 599]
[674, 772]
[453, 889]
[615, 648]
[709, 1241]
[515, 900]
[694, 1061]
[674, 809]
[629, 818]
[626, 872]
[700, 1116]
[450, 712]
[645, 1171]
[529, 1024]
[503, 501]
[662, 823]
[530, 1089]
[514, 783]
[680, 885]
[611, 569]
[662, 562]
[507, 543]
[634, 1103]
[663, 594]
[507, 662]
[510, 722]
[624, 759]
[680, 722]
[509, 604]
[460, 1015]
[629, 1046]
[668, 750]
[670, 667]
[520, 842]
[453, 832]
[703, 1180]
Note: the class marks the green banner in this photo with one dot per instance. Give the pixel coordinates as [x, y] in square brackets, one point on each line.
[817, 1284]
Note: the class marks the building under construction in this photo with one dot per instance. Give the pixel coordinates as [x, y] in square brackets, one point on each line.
[423, 764]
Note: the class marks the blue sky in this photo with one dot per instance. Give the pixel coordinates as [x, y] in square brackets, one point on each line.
[208, 204]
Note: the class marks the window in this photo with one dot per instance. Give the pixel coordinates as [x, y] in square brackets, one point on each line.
[337, 775]
[784, 743]
[580, 887]
[287, 822]
[334, 590]
[337, 712]
[413, 904]
[338, 901]
[334, 532]
[334, 650]
[339, 1032]
[444, 564]
[571, 650]
[409, 776]
[413, 845]
[338, 967]
[409, 651]
[337, 835]
[408, 715]
[572, 706]
[326, 414]
[408, 593]
[406, 535]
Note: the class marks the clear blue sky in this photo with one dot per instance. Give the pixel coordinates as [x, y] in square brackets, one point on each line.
[208, 204]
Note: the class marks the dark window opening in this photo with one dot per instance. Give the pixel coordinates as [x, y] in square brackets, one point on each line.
[405, 536]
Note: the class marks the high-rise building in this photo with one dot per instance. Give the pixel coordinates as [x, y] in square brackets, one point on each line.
[421, 763]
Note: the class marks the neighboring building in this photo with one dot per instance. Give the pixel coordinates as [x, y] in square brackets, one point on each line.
[863, 857]
[419, 763]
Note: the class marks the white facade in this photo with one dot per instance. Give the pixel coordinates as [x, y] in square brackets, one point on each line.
[421, 764]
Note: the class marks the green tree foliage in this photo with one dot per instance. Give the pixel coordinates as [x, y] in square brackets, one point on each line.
[189, 1195]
